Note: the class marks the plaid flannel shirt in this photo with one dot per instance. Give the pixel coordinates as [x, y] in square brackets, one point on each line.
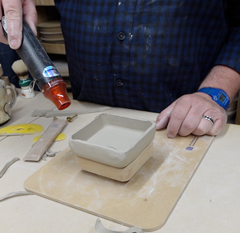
[144, 54]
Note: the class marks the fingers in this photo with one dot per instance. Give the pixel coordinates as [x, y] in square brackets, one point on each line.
[3, 39]
[188, 122]
[206, 126]
[14, 10]
[186, 116]
[163, 117]
[13, 14]
[177, 117]
[30, 14]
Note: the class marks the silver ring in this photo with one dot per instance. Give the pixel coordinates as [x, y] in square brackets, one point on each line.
[208, 118]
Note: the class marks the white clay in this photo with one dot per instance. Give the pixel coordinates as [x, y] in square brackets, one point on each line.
[112, 139]
[7, 165]
[15, 194]
[101, 229]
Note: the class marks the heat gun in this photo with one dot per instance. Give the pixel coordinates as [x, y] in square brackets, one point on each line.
[41, 67]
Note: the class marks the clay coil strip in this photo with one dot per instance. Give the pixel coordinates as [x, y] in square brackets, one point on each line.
[101, 229]
[7, 165]
[15, 194]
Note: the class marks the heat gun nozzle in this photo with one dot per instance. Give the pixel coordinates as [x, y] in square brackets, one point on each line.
[55, 90]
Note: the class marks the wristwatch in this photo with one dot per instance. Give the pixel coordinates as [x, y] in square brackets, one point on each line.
[218, 95]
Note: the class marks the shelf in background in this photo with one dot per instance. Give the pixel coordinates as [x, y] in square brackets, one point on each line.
[54, 48]
[44, 3]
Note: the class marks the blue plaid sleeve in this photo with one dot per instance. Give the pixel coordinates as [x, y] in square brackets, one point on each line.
[230, 52]
[144, 54]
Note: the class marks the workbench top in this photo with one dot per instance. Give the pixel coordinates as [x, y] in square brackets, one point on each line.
[210, 202]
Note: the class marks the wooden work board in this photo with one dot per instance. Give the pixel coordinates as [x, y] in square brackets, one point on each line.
[145, 201]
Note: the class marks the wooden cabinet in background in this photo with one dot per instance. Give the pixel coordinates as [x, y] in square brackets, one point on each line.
[47, 12]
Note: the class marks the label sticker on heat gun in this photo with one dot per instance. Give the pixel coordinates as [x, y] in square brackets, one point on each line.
[50, 71]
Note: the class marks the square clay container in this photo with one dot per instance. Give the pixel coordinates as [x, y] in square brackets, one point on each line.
[112, 139]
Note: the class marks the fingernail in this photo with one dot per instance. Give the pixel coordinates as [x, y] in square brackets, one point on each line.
[13, 43]
[162, 123]
[169, 135]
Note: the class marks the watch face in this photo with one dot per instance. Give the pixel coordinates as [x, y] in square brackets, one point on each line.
[222, 97]
[218, 95]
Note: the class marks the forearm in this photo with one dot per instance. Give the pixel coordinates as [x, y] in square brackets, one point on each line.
[224, 78]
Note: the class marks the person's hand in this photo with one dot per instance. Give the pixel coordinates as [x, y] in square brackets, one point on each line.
[14, 10]
[186, 116]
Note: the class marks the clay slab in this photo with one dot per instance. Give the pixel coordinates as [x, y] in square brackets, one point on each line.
[112, 139]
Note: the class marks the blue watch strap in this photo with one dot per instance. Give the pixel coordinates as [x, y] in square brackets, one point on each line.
[218, 95]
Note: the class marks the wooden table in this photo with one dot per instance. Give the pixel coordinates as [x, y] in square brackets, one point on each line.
[210, 203]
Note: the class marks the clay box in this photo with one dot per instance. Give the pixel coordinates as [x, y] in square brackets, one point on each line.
[112, 139]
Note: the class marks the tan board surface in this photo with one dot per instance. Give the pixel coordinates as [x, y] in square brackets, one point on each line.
[146, 201]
